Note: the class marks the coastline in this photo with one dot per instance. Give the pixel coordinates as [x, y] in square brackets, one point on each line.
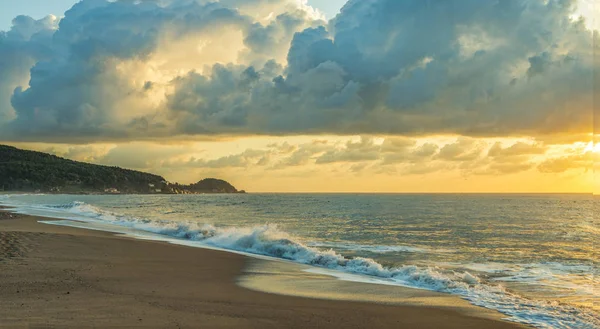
[56, 276]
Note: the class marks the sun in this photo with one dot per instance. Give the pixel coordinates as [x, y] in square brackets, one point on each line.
[592, 147]
[588, 9]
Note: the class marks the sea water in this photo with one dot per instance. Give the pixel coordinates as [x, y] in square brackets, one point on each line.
[534, 258]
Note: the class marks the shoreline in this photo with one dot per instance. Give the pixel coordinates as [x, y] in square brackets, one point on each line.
[59, 276]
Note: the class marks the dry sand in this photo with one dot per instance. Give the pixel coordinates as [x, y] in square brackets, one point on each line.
[53, 276]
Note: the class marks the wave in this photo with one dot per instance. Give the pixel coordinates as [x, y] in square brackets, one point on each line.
[377, 249]
[269, 240]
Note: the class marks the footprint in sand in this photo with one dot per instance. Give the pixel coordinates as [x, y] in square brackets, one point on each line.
[14, 244]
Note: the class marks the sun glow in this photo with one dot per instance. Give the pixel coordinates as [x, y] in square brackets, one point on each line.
[592, 147]
[589, 9]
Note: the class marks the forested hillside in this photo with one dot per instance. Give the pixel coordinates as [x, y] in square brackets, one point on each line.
[30, 171]
[22, 170]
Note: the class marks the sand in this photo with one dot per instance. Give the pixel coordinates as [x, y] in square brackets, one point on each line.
[54, 276]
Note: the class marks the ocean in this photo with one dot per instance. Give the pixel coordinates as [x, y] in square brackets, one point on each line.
[533, 257]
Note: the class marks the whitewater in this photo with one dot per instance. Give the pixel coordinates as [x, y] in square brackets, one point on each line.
[530, 257]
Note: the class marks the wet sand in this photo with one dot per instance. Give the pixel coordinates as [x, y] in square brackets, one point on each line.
[55, 276]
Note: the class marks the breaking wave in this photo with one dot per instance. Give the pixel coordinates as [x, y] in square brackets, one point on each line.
[269, 240]
[377, 249]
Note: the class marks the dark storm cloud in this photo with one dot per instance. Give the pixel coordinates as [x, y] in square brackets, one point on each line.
[469, 67]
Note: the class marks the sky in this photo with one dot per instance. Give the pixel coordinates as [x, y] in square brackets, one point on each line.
[289, 96]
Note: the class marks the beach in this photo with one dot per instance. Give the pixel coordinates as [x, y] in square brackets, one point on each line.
[54, 276]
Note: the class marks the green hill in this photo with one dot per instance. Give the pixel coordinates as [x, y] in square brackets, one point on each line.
[212, 185]
[207, 185]
[29, 171]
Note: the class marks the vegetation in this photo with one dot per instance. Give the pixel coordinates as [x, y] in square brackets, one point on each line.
[208, 185]
[29, 171]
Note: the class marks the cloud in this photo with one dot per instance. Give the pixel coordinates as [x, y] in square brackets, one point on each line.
[405, 151]
[517, 149]
[517, 157]
[136, 155]
[85, 89]
[562, 164]
[400, 155]
[155, 69]
[142, 156]
[397, 144]
[245, 159]
[26, 43]
[363, 150]
[464, 149]
[565, 138]
[85, 153]
[303, 154]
